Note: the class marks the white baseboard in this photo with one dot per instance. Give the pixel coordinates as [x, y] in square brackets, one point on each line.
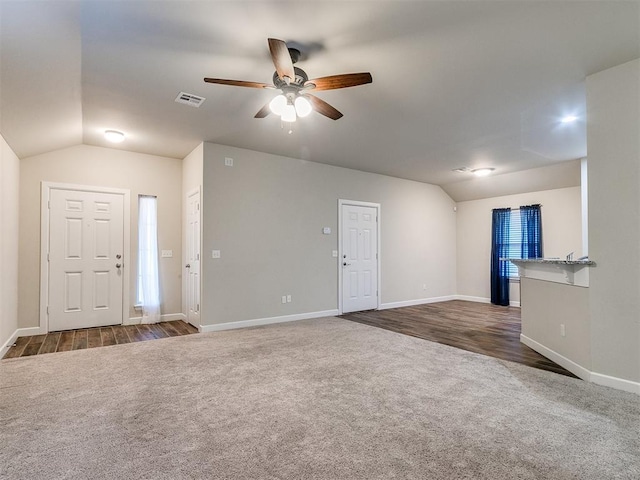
[617, 383]
[266, 321]
[446, 298]
[580, 371]
[7, 345]
[419, 301]
[167, 317]
[561, 360]
[468, 298]
[20, 332]
[28, 331]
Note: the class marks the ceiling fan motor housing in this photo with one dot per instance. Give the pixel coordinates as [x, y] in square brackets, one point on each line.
[298, 81]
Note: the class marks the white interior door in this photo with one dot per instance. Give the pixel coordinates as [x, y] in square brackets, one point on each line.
[359, 262]
[193, 258]
[86, 265]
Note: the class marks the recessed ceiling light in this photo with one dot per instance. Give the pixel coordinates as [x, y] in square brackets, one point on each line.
[482, 172]
[569, 119]
[114, 136]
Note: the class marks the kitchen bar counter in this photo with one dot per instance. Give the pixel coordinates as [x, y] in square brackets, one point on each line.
[554, 301]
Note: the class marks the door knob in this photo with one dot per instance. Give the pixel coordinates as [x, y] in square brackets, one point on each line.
[187, 266]
[118, 256]
[345, 264]
[118, 265]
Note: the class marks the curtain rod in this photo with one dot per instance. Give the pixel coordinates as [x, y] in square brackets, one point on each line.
[518, 208]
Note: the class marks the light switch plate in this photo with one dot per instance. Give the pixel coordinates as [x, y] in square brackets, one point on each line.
[228, 162]
[167, 253]
[326, 230]
[215, 253]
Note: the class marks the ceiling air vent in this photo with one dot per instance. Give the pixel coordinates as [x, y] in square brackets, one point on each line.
[461, 170]
[190, 99]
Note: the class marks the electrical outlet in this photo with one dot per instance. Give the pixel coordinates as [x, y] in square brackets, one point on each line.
[288, 298]
[562, 330]
[334, 253]
[228, 162]
[284, 299]
[215, 253]
[424, 286]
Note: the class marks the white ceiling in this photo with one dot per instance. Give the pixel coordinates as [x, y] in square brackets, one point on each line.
[455, 84]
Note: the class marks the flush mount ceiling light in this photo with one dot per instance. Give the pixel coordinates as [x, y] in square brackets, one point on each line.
[482, 172]
[569, 119]
[114, 136]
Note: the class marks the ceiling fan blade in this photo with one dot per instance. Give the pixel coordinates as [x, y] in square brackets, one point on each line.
[263, 112]
[323, 107]
[340, 81]
[281, 58]
[238, 83]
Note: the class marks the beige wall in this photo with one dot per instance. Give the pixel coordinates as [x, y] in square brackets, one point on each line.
[613, 133]
[96, 166]
[266, 215]
[9, 185]
[192, 171]
[566, 305]
[561, 230]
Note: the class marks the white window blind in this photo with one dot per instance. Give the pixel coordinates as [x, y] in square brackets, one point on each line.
[515, 241]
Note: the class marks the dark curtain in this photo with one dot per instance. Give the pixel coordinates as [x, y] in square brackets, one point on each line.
[531, 222]
[500, 249]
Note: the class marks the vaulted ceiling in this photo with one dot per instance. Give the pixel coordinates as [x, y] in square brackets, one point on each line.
[455, 84]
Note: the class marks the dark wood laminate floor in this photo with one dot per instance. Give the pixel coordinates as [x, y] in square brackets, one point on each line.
[96, 337]
[476, 327]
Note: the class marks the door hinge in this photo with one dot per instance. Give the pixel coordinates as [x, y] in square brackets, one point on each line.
[49, 204]
[197, 256]
[47, 309]
[47, 257]
[197, 307]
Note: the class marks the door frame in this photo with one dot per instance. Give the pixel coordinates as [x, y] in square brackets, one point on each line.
[190, 193]
[358, 203]
[45, 197]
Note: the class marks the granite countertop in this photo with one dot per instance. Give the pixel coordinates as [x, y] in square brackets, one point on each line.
[551, 261]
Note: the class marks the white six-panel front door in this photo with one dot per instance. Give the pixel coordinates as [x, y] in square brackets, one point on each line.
[86, 265]
[359, 262]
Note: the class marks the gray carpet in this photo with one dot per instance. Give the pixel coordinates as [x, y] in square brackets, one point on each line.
[317, 399]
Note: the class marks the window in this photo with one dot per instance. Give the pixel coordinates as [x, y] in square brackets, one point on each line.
[525, 236]
[514, 234]
[515, 241]
[148, 291]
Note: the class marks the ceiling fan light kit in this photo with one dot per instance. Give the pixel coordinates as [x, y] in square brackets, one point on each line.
[289, 113]
[278, 104]
[295, 100]
[303, 107]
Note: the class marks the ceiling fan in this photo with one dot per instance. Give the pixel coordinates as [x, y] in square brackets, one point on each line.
[295, 99]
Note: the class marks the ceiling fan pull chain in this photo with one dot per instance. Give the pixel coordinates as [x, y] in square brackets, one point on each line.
[288, 125]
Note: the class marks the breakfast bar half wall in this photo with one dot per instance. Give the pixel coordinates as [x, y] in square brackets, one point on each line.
[555, 311]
